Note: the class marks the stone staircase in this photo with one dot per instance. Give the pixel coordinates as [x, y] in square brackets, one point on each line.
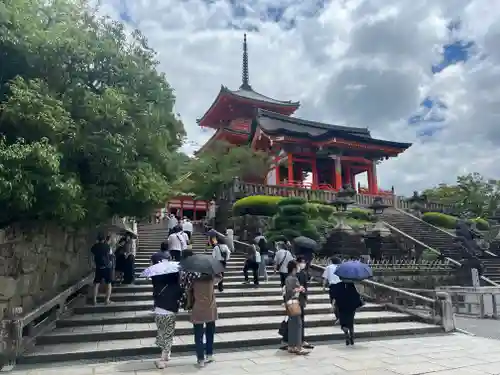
[248, 317]
[492, 268]
[423, 232]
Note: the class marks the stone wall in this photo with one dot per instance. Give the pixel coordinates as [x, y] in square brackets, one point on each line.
[246, 227]
[38, 263]
[417, 280]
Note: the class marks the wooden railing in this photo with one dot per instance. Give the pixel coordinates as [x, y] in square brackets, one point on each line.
[19, 330]
[238, 189]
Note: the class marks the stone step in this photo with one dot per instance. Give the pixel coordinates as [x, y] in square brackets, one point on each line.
[235, 282]
[184, 327]
[127, 317]
[230, 340]
[222, 300]
[236, 292]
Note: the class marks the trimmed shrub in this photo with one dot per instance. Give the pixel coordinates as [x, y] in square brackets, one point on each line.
[296, 201]
[263, 205]
[281, 222]
[312, 210]
[325, 211]
[481, 224]
[360, 214]
[292, 210]
[440, 220]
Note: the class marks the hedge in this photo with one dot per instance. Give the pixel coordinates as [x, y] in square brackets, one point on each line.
[481, 224]
[263, 205]
[292, 209]
[360, 214]
[440, 220]
[296, 201]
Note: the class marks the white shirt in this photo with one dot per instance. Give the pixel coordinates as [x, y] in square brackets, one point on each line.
[219, 250]
[177, 241]
[172, 222]
[283, 257]
[187, 226]
[186, 240]
[329, 274]
[258, 257]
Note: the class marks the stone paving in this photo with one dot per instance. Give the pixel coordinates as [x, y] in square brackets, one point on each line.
[454, 354]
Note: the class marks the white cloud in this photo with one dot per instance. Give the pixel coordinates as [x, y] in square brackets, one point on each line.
[359, 62]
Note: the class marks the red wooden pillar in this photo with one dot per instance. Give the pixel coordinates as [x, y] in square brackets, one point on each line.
[290, 169]
[181, 211]
[338, 174]
[314, 171]
[348, 174]
[372, 179]
[194, 210]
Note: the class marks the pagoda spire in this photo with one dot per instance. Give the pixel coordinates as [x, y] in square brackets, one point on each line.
[245, 85]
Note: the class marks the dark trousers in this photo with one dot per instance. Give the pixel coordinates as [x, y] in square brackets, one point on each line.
[220, 286]
[283, 278]
[176, 255]
[129, 270]
[302, 317]
[254, 266]
[206, 330]
[189, 233]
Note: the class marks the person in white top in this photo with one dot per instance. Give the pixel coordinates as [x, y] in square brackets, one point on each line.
[176, 243]
[281, 259]
[222, 253]
[187, 227]
[331, 280]
[172, 223]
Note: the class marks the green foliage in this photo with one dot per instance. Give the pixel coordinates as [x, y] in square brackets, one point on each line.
[440, 220]
[325, 211]
[87, 128]
[292, 201]
[481, 224]
[360, 214]
[312, 210]
[471, 196]
[262, 205]
[293, 209]
[219, 165]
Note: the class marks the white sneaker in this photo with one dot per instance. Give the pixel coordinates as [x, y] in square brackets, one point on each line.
[201, 364]
[210, 359]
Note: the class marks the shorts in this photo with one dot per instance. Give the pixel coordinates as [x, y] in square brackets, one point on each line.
[103, 275]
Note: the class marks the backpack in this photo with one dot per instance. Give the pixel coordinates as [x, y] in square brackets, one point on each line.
[223, 253]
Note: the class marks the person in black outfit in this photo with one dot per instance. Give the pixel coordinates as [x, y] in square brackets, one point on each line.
[103, 258]
[167, 293]
[303, 277]
[347, 300]
[251, 264]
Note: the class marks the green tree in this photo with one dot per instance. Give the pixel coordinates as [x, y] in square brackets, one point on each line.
[220, 164]
[472, 195]
[87, 128]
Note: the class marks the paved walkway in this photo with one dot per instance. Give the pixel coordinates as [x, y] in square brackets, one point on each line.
[453, 354]
[489, 328]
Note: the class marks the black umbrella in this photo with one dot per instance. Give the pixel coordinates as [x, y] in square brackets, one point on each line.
[202, 263]
[305, 243]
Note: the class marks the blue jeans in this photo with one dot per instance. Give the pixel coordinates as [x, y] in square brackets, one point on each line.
[207, 330]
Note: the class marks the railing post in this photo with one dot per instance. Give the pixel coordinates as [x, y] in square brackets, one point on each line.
[11, 336]
[230, 239]
[443, 301]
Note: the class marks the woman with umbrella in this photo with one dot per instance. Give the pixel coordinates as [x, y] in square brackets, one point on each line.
[347, 298]
[204, 306]
[166, 295]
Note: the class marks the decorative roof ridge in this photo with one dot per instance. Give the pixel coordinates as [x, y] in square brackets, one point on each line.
[316, 124]
[278, 102]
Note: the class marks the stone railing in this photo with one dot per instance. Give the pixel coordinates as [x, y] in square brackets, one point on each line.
[238, 189]
[19, 330]
[437, 310]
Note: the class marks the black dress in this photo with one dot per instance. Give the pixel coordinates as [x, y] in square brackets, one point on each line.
[347, 300]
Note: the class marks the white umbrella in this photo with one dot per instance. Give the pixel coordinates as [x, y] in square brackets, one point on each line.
[161, 268]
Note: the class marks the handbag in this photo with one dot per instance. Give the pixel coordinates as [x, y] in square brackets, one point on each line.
[292, 307]
[283, 330]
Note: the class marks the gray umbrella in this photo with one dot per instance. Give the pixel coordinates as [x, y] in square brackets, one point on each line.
[202, 263]
[305, 243]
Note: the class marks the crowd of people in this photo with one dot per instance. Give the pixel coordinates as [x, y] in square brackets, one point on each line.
[194, 292]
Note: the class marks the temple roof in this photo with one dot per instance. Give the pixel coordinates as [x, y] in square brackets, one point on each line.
[275, 124]
[249, 93]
